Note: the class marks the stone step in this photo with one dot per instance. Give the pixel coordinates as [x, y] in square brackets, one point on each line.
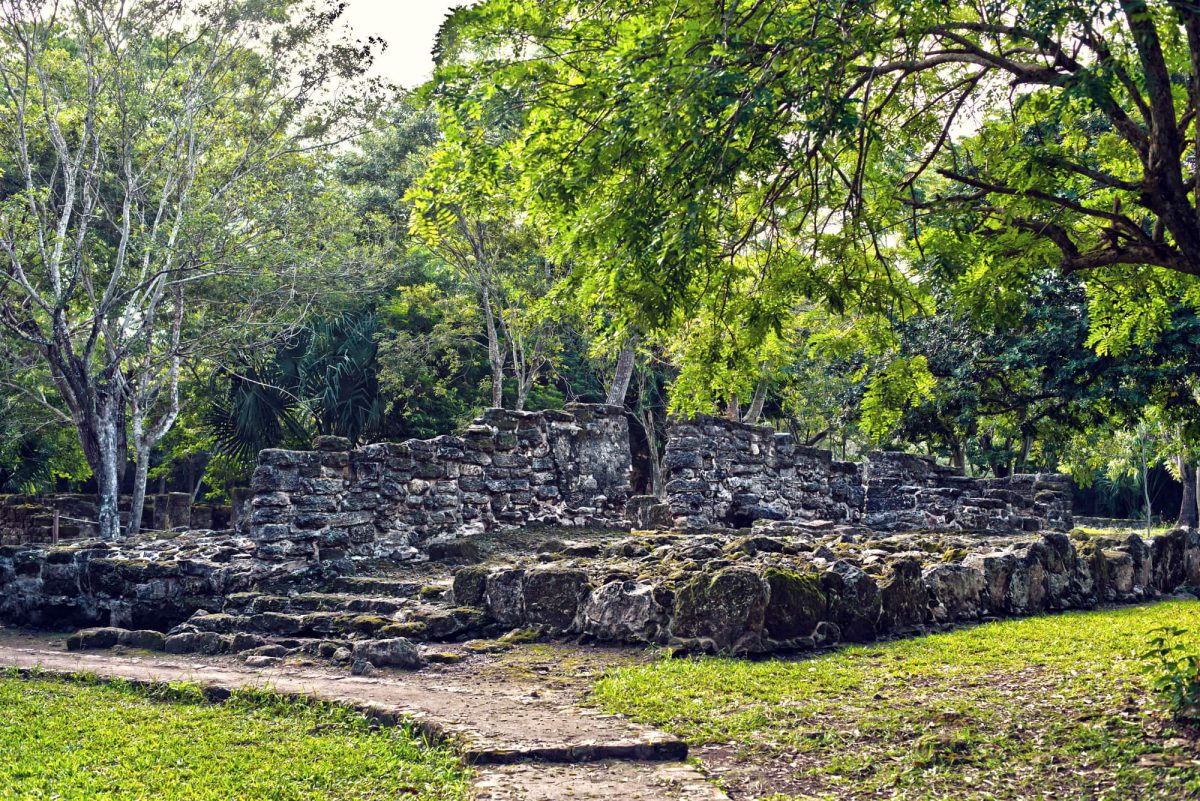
[376, 585]
[432, 623]
[250, 603]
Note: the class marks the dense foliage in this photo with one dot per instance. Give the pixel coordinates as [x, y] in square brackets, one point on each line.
[967, 231]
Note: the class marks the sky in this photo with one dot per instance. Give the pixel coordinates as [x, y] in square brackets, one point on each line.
[409, 27]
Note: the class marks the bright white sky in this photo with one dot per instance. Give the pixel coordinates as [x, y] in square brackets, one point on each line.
[408, 26]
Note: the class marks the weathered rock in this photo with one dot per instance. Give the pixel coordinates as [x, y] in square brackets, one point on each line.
[795, 604]
[396, 652]
[904, 599]
[203, 642]
[854, 601]
[552, 597]
[260, 661]
[957, 591]
[1168, 557]
[103, 637]
[722, 611]
[469, 585]
[627, 611]
[504, 596]
[145, 639]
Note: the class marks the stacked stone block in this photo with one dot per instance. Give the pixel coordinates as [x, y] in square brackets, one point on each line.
[905, 492]
[508, 469]
[725, 473]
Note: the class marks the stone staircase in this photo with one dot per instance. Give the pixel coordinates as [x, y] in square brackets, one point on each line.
[344, 620]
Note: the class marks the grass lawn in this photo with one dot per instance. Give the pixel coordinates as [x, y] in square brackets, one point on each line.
[1042, 707]
[73, 740]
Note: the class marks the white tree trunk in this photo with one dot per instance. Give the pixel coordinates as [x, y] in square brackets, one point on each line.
[756, 404]
[495, 352]
[619, 388]
[108, 482]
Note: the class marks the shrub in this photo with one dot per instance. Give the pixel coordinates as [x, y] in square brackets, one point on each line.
[1173, 665]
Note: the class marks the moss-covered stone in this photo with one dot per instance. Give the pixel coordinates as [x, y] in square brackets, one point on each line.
[722, 611]
[795, 604]
[469, 585]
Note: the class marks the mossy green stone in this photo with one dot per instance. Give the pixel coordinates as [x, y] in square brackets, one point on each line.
[796, 604]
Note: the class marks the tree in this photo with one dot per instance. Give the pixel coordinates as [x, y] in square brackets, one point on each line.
[152, 147]
[666, 143]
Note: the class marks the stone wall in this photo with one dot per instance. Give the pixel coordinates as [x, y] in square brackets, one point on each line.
[724, 473]
[28, 519]
[146, 584]
[910, 492]
[508, 469]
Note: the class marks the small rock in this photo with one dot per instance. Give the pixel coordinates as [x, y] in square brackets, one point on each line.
[396, 652]
[104, 637]
[361, 667]
[261, 661]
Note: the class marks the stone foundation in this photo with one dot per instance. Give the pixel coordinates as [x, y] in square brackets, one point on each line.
[509, 469]
[795, 590]
[147, 584]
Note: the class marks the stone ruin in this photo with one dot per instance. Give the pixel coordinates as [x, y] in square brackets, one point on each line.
[384, 553]
[508, 469]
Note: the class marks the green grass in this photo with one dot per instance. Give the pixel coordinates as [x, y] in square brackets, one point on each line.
[1051, 706]
[77, 739]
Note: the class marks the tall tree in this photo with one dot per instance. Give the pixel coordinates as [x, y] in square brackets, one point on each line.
[150, 140]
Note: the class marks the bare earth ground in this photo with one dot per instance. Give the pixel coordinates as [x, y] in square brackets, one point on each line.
[515, 714]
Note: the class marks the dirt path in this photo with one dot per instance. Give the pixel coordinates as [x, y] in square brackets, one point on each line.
[516, 715]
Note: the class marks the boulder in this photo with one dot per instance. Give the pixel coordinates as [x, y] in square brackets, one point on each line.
[627, 611]
[503, 596]
[722, 611]
[904, 599]
[103, 637]
[397, 652]
[854, 601]
[1168, 554]
[552, 597]
[957, 591]
[146, 639]
[795, 604]
[1118, 575]
[469, 585]
[203, 642]
[997, 570]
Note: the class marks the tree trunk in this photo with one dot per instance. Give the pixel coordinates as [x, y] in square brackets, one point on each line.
[137, 500]
[646, 417]
[734, 410]
[958, 458]
[756, 404]
[1146, 486]
[1026, 446]
[108, 480]
[495, 352]
[619, 387]
[1189, 516]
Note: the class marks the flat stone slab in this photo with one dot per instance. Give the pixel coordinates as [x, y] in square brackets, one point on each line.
[595, 781]
[494, 717]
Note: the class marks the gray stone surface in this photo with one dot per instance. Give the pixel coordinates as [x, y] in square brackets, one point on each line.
[508, 469]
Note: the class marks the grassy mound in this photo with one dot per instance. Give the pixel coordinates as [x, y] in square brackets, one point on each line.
[1051, 706]
[71, 739]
